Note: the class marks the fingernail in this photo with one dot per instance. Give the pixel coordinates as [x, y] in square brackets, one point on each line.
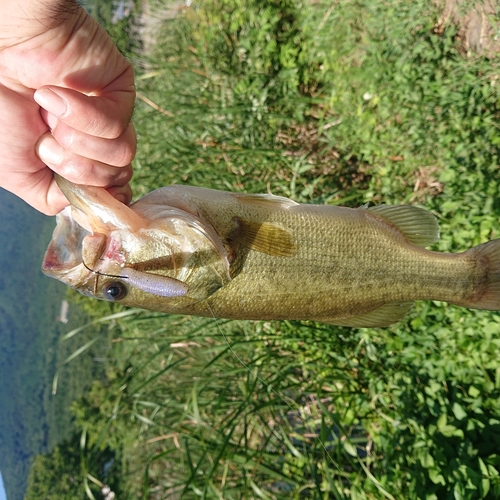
[50, 151]
[51, 102]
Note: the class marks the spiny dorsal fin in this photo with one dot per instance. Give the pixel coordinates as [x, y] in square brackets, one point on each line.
[418, 225]
[264, 237]
[381, 316]
[265, 199]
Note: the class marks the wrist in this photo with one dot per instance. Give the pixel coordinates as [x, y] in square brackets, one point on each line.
[25, 19]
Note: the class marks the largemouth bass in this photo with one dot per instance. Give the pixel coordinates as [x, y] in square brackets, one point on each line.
[203, 252]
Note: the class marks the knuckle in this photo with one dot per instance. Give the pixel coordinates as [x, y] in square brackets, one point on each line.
[107, 129]
[67, 138]
[50, 210]
[121, 127]
[95, 127]
[124, 175]
[125, 148]
[76, 170]
[127, 155]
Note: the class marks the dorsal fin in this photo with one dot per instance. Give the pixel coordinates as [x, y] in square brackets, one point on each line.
[381, 316]
[418, 225]
[265, 199]
[264, 237]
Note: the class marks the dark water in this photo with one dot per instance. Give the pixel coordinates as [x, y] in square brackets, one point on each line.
[29, 303]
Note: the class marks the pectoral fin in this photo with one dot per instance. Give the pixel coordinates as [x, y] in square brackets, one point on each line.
[419, 226]
[381, 316]
[264, 237]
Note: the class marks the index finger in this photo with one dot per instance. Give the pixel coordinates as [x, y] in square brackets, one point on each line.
[105, 115]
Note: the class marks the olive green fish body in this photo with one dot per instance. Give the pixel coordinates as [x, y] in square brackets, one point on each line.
[242, 256]
[346, 262]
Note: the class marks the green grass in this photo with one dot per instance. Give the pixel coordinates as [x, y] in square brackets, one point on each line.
[328, 103]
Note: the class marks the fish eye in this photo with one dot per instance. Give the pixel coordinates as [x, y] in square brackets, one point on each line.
[115, 290]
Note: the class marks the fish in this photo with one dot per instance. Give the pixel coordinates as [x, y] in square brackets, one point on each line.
[197, 251]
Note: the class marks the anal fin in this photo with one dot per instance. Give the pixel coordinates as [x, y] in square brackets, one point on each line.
[381, 316]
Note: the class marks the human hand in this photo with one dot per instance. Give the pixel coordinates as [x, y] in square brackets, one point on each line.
[66, 99]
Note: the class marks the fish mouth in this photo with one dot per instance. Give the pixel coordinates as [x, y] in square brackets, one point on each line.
[82, 232]
[97, 236]
[64, 256]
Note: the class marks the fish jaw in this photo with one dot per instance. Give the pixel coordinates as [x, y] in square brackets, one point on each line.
[78, 257]
[63, 258]
[96, 210]
[83, 233]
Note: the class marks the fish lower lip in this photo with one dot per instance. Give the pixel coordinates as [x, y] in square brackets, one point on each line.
[65, 249]
[52, 260]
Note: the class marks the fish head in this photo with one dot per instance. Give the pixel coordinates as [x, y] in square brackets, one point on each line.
[156, 256]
